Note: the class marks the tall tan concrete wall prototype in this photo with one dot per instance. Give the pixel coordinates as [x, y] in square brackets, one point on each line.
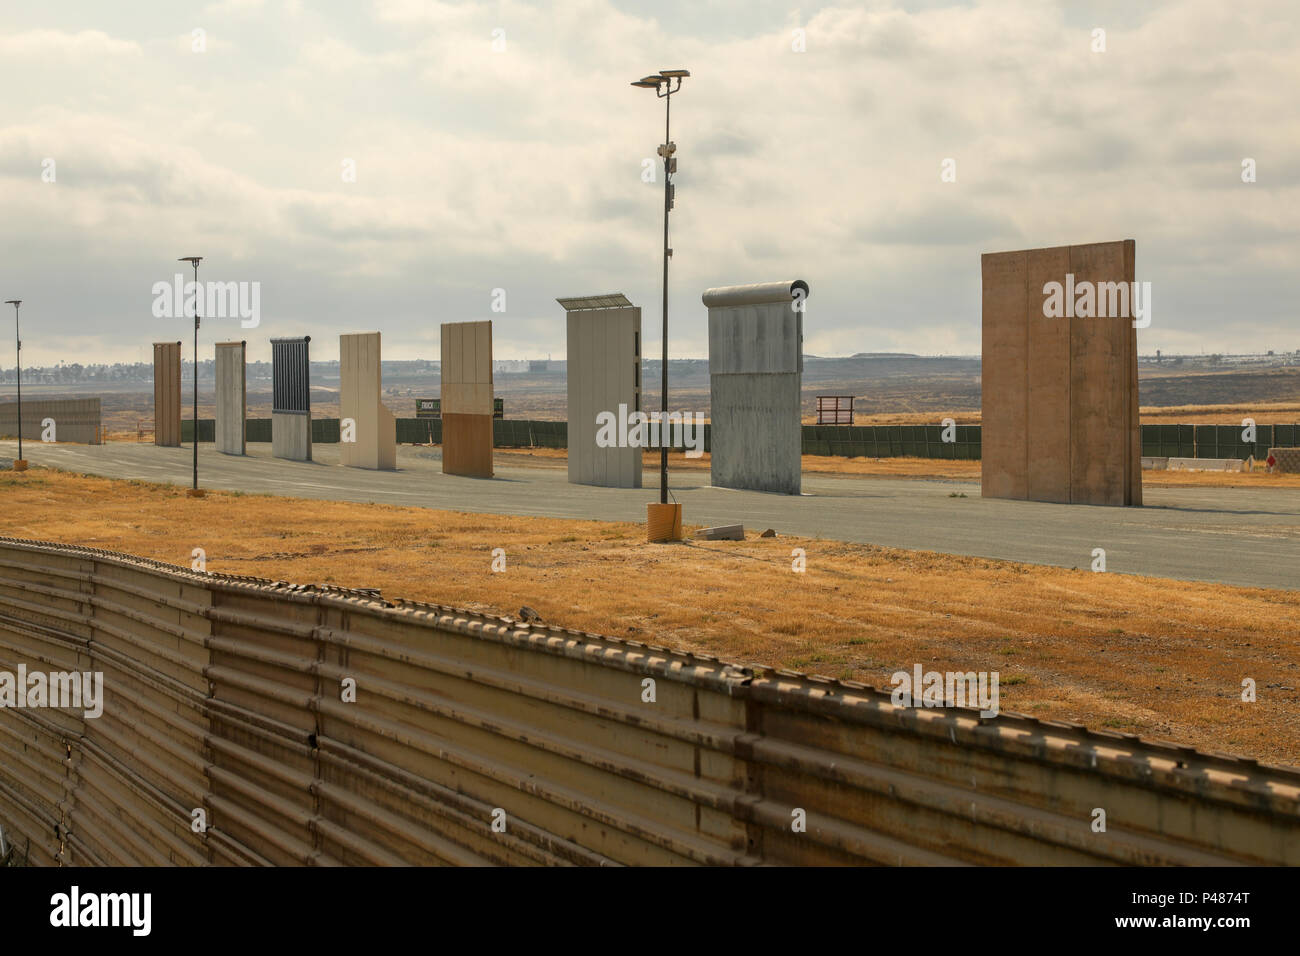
[74, 419]
[167, 394]
[225, 693]
[604, 373]
[232, 397]
[755, 383]
[360, 388]
[467, 399]
[1060, 402]
[291, 398]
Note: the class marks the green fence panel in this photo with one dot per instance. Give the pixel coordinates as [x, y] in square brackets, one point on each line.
[1207, 441]
[325, 430]
[257, 430]
[207, 430]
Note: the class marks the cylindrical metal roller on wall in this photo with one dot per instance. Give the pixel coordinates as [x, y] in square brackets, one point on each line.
[756, 294]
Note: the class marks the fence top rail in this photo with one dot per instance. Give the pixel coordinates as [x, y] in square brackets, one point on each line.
[1215, 776]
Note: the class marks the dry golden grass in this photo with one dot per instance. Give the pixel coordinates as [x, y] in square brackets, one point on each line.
[1162, 658]
[1264, 413]
[918, 468]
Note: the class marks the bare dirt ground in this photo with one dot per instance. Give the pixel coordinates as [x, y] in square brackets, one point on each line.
[1162, 658]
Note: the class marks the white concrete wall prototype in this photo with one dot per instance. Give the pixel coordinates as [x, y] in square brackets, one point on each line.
[604, 371]
[232, 398]
[755, 383]
[360, 387]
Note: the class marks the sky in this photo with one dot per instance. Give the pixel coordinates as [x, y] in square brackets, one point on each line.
[499, 146]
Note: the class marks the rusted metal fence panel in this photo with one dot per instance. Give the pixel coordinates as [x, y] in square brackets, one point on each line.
[320, 726]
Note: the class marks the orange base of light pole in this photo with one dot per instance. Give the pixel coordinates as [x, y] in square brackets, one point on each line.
[20, 464]
[193, 492]
[663, 522]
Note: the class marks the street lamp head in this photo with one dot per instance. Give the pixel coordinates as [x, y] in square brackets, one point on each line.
[675, 73]
[649, 82]
[14, 302]
[193, 260]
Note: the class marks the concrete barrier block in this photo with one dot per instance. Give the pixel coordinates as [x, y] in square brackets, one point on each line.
[1206, 464]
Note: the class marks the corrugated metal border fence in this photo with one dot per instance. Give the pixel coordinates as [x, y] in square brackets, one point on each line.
[475, 739]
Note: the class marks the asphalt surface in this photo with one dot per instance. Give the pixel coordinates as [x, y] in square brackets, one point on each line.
[1233, 536]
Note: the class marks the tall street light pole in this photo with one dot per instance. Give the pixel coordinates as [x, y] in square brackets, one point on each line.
[18, 340]
[194, 261]
[664, 86]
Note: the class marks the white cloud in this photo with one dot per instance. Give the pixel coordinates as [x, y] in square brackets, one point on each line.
[522, 169]
[84, 46]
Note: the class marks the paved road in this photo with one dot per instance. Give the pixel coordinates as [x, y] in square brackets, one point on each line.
[1234, 536]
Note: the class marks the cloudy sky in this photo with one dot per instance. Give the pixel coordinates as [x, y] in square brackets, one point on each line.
[521, 168]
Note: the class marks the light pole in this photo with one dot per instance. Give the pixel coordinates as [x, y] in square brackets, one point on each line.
[18, 340]
[664, 87]
[194, 261]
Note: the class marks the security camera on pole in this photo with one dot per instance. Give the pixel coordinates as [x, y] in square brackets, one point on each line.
[20, 463]
[664, 520]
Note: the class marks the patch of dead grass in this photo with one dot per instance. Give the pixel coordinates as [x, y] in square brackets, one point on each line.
[1162, 658]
